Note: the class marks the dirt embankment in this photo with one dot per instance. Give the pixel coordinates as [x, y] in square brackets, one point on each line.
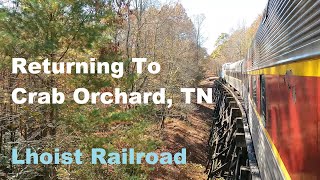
[193, 135]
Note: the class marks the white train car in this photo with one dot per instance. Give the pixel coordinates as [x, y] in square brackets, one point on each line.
[233, 75]
[224, 68]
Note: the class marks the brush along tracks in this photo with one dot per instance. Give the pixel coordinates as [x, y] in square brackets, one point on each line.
[231, 154]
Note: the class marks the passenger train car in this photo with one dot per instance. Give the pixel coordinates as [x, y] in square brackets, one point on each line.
[279, 81]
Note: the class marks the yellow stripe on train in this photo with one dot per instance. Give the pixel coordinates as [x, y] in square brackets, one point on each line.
[299, 68]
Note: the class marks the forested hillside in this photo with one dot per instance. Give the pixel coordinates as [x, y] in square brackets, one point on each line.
[65, 31]
[233, 46]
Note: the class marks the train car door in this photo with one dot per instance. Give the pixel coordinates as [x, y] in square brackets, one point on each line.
[263, 99]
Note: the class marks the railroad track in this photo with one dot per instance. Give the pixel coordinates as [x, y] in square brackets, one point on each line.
[231, 154]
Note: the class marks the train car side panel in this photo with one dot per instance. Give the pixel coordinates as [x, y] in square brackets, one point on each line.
[292, 123]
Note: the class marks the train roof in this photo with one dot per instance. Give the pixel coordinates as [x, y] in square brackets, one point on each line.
[233, 66]
[284, 37]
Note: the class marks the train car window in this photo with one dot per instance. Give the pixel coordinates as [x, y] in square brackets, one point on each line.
[249, 83]
[263, 100]
[254, 89]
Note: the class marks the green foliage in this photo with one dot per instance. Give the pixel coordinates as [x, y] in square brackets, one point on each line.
[129, 115]
[65, 30]
[48, 29]
[110, 128]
